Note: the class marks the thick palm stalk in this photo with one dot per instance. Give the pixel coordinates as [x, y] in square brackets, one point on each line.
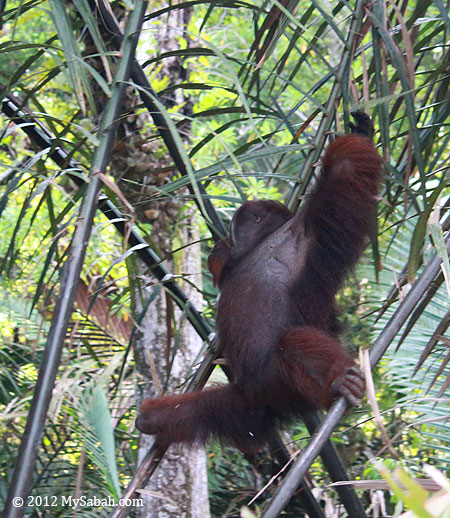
[324, 431]
[24, 470]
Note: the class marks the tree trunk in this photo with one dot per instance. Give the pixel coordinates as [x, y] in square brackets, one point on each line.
[179, 487]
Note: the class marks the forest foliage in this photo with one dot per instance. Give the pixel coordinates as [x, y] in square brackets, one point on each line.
[266, 84]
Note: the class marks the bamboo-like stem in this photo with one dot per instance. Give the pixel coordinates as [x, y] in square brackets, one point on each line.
[43, 139]
[31, 442]
[324, 431]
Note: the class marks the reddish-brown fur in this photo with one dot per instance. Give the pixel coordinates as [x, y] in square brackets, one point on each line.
[276, 319]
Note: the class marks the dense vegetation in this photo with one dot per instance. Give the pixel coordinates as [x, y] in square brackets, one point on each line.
[262, 86]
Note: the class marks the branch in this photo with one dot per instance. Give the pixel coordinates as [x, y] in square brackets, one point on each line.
[301, 466]
[31, 442]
